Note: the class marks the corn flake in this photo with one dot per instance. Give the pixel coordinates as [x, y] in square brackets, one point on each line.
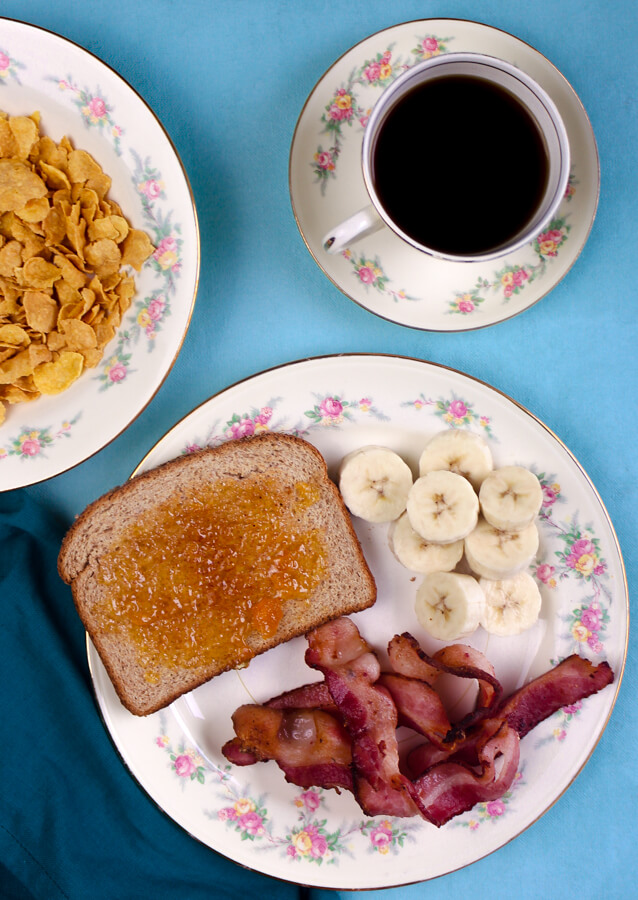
[55, 377]
[64, 252]
[18, 184]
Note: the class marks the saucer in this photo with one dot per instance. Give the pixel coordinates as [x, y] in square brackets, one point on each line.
[382, 272]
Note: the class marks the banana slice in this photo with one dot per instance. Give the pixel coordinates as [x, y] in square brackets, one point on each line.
[462, 452]
[510, 498]
[512, 605]
[449, 605]
[496, 554]
[417, 554]
[442, 507]
[374, 483]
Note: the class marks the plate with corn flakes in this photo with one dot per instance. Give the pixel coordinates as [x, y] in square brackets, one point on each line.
[99, 254]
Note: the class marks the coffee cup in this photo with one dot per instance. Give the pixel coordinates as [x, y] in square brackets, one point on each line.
[465, 157]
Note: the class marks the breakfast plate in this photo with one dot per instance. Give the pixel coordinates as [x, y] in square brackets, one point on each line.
[315, 836]
[79, 96]
[383, 273]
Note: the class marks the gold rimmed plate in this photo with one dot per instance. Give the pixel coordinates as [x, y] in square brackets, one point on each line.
[317, 837]
[78, 95]
[384, 274]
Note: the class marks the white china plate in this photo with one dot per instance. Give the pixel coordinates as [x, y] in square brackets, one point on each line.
[78, 95]
[319, 838]
[383, 273]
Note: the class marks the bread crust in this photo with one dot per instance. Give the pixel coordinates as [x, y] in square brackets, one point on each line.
[347, 586]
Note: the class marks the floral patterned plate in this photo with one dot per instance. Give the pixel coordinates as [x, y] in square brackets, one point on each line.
[317, 837]
[383, 273]
[80, 96]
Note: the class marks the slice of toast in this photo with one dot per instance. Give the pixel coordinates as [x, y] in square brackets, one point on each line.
[281, 466]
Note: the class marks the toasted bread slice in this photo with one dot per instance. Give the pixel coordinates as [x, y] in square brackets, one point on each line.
[279, 465]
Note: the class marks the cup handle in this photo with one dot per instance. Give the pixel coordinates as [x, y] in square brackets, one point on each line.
[357, 226]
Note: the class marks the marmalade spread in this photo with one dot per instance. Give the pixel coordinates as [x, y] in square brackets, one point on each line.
[195, 578]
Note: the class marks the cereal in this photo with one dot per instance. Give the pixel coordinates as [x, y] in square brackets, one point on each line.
[65, 251]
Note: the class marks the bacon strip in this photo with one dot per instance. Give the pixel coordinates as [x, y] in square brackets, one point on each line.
[309, 696]
[310, 746]
[408, 658]
[419, 707]
[574, 679]
[571, 680]
[369, 716]
[451, 788]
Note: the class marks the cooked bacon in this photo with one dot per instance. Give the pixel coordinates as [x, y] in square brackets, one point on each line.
[310, 746]
[345, 736]
[369, 716]
[336, 643]
[419, 707]
[467, 662]
[451, 788]
[464, 750]
[309, 696]
[571, 680]
[235, 753]
[408, 658]
[574, 679]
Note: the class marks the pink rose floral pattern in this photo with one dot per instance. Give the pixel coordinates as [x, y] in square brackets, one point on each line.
[185, 762]
[152, 311]
[510, 280]
[561, 722]
[455, 412]
[369, 272]
[245, 817]
[490, 811]
[570, 190]
[94, 109]
[334, 409]
[32, 443]
[329, 410]
[9, 67]
[430, 45]
[344, 109]
[306, 840]
[387, 836]
[579, 557]
[243, 424]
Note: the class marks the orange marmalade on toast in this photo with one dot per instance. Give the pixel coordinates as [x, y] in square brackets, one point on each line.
[194, 578]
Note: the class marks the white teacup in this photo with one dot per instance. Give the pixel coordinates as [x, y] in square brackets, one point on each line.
[541, 171]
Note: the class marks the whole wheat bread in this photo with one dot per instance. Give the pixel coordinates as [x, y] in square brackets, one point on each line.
[346, 586]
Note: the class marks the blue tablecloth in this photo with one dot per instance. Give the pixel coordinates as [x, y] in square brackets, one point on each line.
[228, 79]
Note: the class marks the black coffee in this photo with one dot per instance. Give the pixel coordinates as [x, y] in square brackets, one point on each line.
[460, 165]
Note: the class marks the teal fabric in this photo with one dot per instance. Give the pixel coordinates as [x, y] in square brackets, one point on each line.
[228, 79]
[74, 823]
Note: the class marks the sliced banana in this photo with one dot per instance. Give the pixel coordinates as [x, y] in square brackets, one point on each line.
[442, 507]
[460, 451]
[374, 483]
[417, 554]
[510, 498]
[512, 605]
[449, 605]
[496, 554]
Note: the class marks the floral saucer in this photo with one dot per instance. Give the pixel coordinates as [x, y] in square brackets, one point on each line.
[318, 837]
[78, 95]
[383, 273]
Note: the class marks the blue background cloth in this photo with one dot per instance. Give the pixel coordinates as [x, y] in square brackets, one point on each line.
[228, 79]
